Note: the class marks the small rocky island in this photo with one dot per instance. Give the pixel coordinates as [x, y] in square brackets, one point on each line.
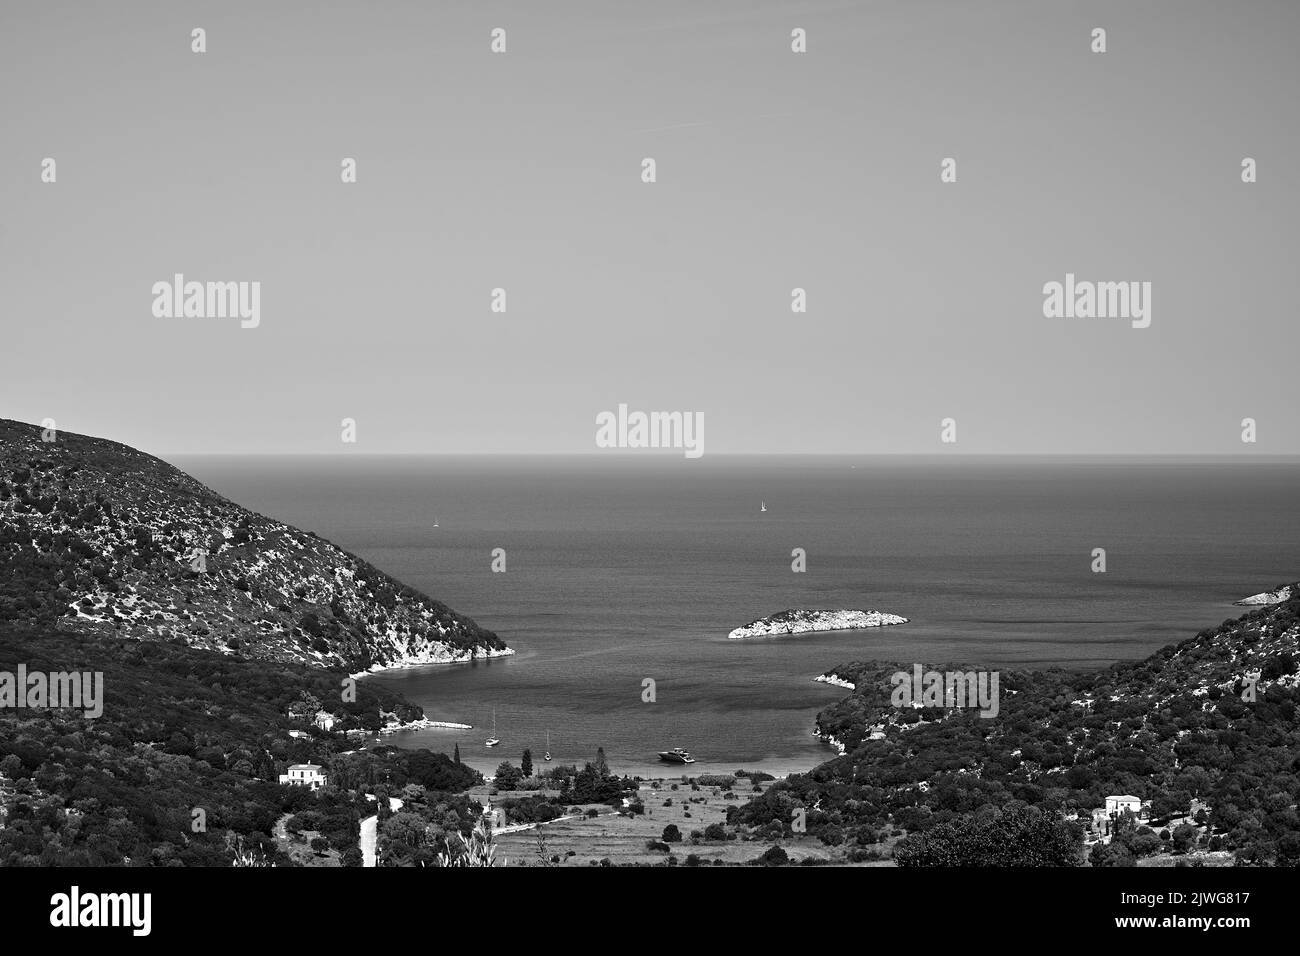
[801, 621]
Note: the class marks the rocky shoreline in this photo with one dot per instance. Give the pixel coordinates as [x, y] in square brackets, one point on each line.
[1266, 597]
[420, 660]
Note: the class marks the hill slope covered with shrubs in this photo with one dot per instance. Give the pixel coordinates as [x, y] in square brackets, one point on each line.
[96, 537]
[1213, 720]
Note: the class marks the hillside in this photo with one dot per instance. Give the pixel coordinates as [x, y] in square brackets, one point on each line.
[181, 769]
[99, 538]
[1207, 727]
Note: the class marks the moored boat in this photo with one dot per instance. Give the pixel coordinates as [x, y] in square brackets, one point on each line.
[676, 755]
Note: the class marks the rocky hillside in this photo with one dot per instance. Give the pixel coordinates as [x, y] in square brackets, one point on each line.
[99, 537]
[1211, 723]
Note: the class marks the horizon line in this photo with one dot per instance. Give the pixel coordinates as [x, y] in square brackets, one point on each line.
[673, 455]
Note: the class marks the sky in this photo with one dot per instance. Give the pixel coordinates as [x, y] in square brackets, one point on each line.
[775, 170]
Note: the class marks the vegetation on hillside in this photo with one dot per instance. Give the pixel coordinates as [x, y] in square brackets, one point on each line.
[96, 537]
[1214, 719]
[183, 764]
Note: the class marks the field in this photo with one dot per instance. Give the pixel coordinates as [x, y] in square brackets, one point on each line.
[622, 839]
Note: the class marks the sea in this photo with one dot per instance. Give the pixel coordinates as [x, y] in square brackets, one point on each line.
[624, 574]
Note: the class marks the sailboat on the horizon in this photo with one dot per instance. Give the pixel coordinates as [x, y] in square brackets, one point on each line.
[494, 739]
[762, 506]
[547, 756]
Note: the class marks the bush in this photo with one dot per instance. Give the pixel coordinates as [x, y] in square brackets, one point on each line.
[725, 781]
[775, 856]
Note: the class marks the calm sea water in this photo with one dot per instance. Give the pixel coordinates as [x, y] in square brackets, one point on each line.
[627, 568]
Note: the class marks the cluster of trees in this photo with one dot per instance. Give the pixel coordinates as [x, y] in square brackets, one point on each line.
[428, 825]
[1131, 840]
[333, 816]
[1014, 835]
[396, 768]
[594, 783]
[185, 758]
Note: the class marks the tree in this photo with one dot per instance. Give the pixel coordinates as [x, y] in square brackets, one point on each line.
[1111, 854]
[601, 765]
[526, 763]
[672, 834]
[1170, 803]
[456, 754]
[507, 776]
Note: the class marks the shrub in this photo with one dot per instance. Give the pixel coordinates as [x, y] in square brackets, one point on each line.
[775, 856]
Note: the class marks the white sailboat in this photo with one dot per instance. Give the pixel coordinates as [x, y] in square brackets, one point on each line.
[762, 506]
[547, 756]
[494, 739]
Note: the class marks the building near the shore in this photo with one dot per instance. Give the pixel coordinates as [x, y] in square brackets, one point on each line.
[310, 775]
[1123, 804]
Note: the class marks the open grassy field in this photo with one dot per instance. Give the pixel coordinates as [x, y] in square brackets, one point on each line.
[622, 839]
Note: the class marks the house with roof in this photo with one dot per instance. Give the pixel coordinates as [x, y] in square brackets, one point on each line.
[324, 720]
[310, 775]
[1125, 803]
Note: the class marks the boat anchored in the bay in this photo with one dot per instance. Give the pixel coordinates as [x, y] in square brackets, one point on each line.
[676, 755]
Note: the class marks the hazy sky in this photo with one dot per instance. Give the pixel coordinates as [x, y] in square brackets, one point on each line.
[775, 170]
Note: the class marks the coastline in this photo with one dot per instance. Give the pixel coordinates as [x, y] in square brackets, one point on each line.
[423, 723]
[835, 680]
[464, 657]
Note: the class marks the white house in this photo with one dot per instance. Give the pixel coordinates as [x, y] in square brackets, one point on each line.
[324, 720]
[304, 775]
[1121, 804]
